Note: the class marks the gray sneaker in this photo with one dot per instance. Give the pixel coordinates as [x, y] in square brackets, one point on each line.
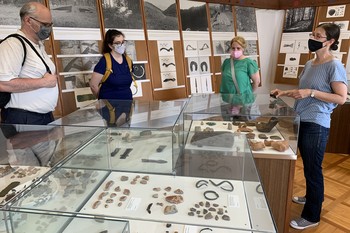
[301, 223]
[299, 200]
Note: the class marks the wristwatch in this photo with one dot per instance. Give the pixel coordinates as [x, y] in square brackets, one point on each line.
[312, 93]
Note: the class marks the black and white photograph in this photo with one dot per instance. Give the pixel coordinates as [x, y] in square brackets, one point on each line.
[78, 64]
[161, 15]
[138, 71]
[70, 47]
[344, 25]
[77, 81]
[246, 19]
[74, 13]
[131, 49]
[122, 14]
[299, 19]
[193, 16]
[12, 8]
[252, 48]
[196, 84]
[221, 18]
[83, 97]
[219, 47]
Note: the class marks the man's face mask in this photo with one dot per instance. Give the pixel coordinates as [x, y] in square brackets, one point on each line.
[44, 30]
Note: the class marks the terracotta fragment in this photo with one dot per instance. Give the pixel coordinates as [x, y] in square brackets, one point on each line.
[280, 146]
[175, 199]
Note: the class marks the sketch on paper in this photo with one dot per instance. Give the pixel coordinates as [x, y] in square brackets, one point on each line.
[77, 81]
[78, 64]
[344, 25]
[168, 79]
[122, 14]
[204, 65]
[301, 46]
[290, 71]
[167, 64]
[287, 46]
[219, 47]
[299, 19]
[221, 18]
[193, 68]
[203, 48]
[131, 49]
[196, 85]
[206, 84]
[83, 97]
[165, 48]
[336, 11]
[292, 59]
[161, 15]
[76, 14]
[190, 48]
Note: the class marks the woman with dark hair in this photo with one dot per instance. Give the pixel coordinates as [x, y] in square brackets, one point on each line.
[115, 90]
[322, 86]
[117, 86]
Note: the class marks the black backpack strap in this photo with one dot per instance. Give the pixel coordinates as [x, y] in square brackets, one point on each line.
[30, 44]
[24, 46]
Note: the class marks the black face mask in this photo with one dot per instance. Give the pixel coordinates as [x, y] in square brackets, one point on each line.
[314, 45]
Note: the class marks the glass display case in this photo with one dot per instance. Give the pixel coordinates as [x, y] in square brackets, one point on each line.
[270, 125]
[208, 189]
[205, 182]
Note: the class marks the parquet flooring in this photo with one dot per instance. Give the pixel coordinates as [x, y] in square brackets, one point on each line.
[335, 215]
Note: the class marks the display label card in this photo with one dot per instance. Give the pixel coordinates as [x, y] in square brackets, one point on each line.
[191, 229]
[233, 201]
[133, 204]
[260, 203]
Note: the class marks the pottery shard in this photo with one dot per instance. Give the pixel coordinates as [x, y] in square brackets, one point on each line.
[190, 214]
[208, 216]
[178, 191]
[124, 178]
[168, 189]
[143, 182]
[170, 209]
[156, 189]
[267, 142]
[226, 217]
[244, 129]
[155, 195]
[108, 185]
[126, 192]
[256, 145]
[145, 178]
[280, 145]
[175, 199]
[117, 189]
[123, 198]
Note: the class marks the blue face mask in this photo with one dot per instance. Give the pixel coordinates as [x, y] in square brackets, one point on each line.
[120, 48]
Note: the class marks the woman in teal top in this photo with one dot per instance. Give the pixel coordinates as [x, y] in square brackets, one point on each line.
[246, 72]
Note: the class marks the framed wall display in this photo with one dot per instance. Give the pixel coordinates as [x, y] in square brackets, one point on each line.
[74, 14]
[122, 14]
[161, 15]
[246, 19]
[299, 19]
[221, 18]
[193, 16]
[294, 52]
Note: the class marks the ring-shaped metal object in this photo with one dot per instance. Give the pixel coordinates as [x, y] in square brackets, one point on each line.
[209, 192]
[205, 229]
[223, 188]
[201, 183]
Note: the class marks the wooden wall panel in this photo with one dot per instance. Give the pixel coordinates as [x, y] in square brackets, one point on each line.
[170, 94]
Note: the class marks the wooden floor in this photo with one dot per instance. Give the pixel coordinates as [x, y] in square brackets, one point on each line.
[335, 215]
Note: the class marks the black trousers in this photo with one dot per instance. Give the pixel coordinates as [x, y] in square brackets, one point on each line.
[20, 116]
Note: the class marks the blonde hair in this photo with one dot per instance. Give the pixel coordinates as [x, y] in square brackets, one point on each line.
[240, 40]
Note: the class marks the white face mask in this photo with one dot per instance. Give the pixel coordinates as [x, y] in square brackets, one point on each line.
[120, 48]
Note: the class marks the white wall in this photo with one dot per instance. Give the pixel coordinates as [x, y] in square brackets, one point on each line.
[269, 23]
